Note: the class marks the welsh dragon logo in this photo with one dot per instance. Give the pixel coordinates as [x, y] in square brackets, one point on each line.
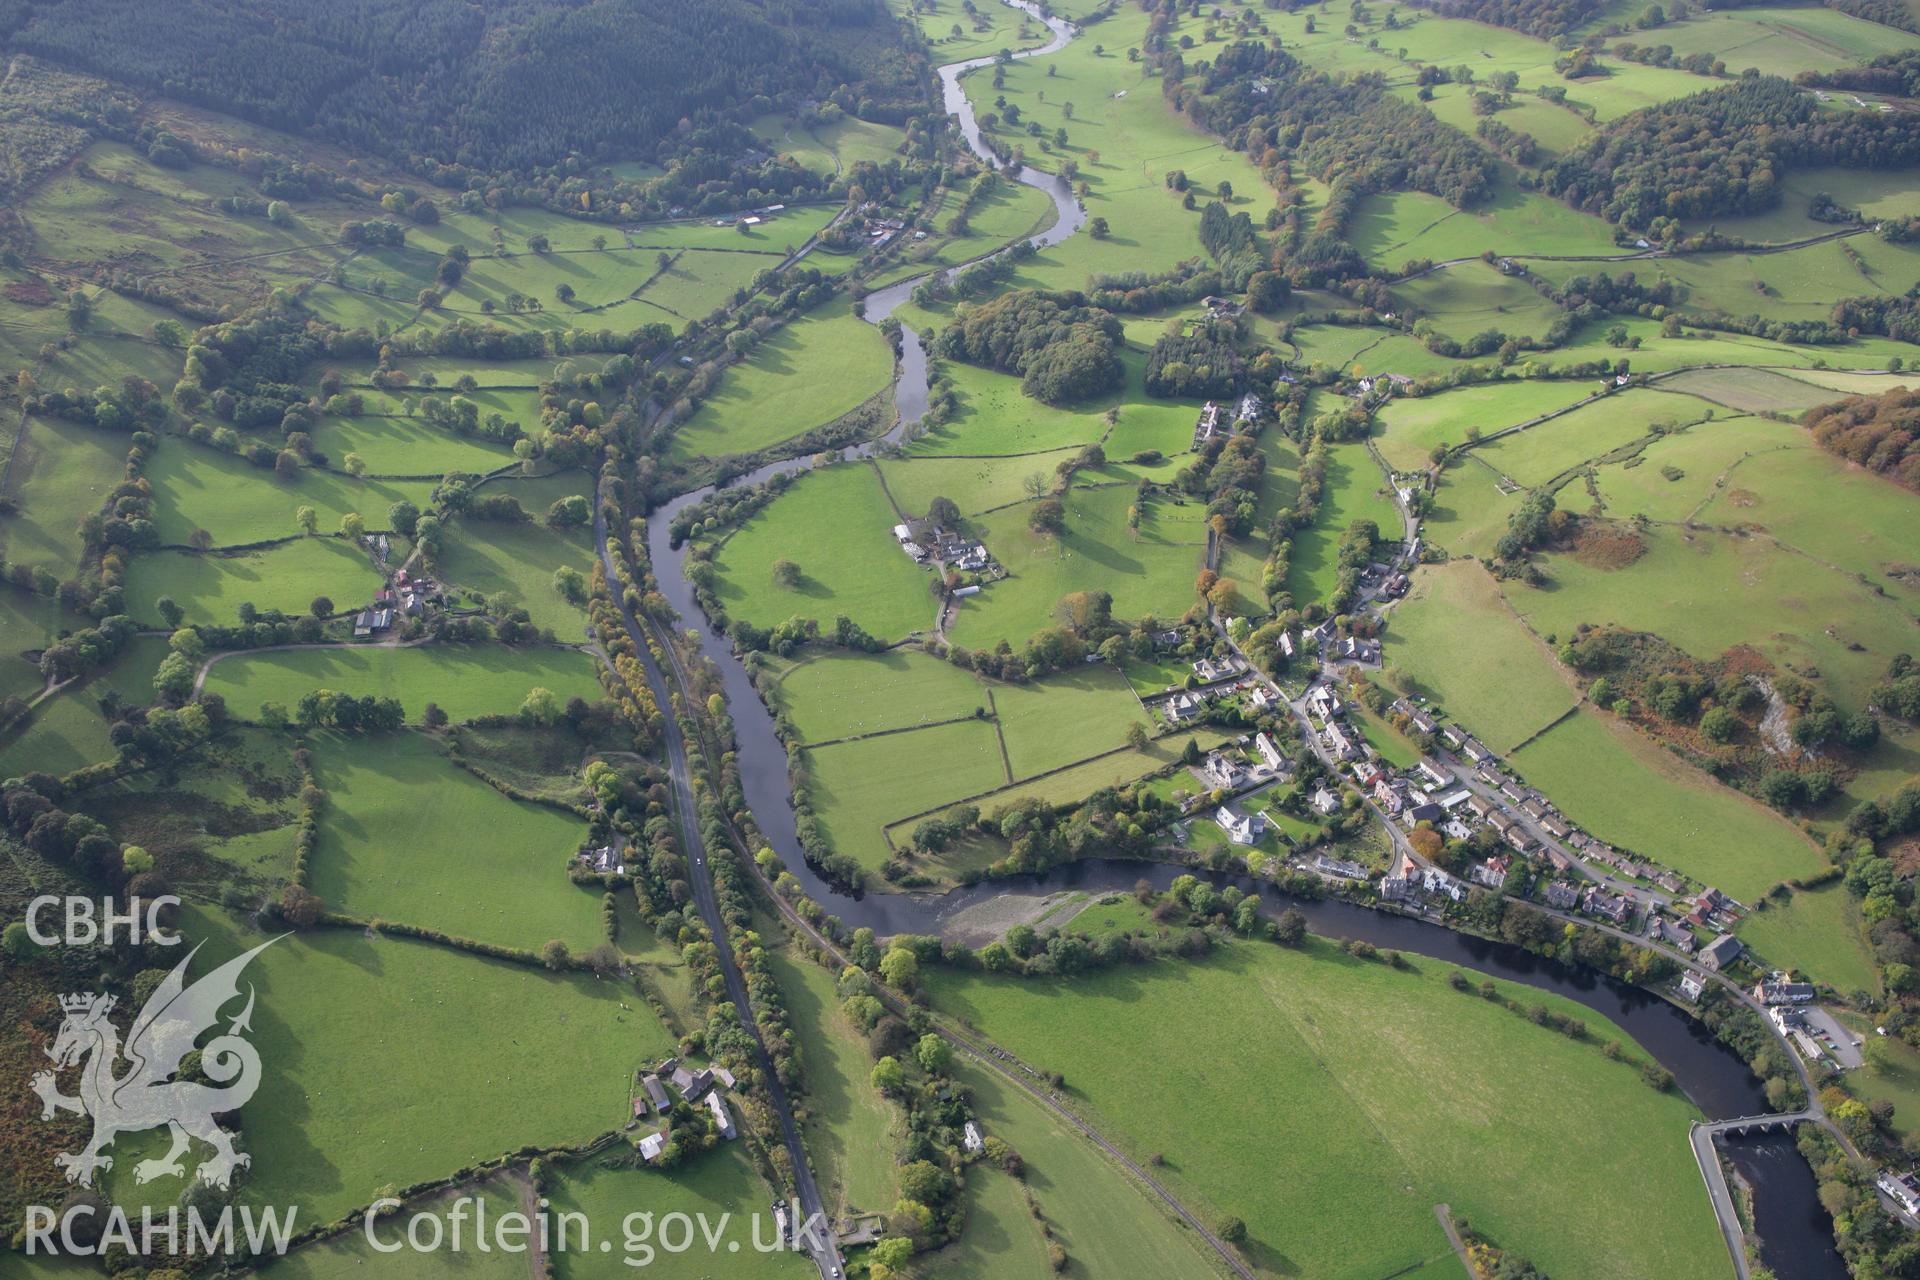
[147, 1096]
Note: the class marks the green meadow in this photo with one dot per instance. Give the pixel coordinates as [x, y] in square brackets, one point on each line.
[1355, 490]
[61, 473]
[1708, 591]
[1151, 572]
[465, 681]
[211, 587]
[237, 502]
[334, 1003]
[1817, 932]
[513, 564]
[834, 694]
[409, 836]
[1066, 717]
[1412, 426]
[1341, 1180]
[62, 734]
[803, 375]
[1630, 793]
[836, 524]
[859, 788]
[720, 1187]
[1455, 637]
[1540, 453]
[852, 1129]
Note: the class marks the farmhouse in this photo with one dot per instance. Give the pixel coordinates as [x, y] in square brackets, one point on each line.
[656, 1092]
[1721, 952]
[651, 1146]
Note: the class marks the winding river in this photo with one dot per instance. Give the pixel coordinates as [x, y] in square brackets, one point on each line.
[1797, 1235]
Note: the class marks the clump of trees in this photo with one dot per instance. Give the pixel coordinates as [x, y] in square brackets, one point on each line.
[1062, 349]
[1880, 433]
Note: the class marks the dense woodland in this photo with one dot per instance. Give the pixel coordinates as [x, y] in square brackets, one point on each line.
[1721, 152]
[1340, 130]
[1063, 350]
[1881, 433]
[503, 86]
[1543, 18]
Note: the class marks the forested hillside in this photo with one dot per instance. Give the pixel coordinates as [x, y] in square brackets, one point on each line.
[1721, 152]
[503, 86]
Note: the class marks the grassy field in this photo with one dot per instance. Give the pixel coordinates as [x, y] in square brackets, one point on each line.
[1632, 794]
[465, 680]
[1355, 490]
[836, 524]
[1410, 427]
[1342, 1179]
[62, 472]
[852, 1130]
[1454, 635]
[858, 788]
[1817, 932]
[327, 1132]
[1095, 701]
[1538, 454]
[803, 375]
[393, 444]
[1107, 1224]
[975, 485]
[721, 1182]
[1013, 210]
[350, 1254]
[995, 418]
[1118, 113]
[1777, 40]
[1475, 296]
[986, 30]
[1149, 574]
[1708, 591]
[211, 588]
[1827, 508]
[27, 622]
[1749, 390]
[513, 564]
[396, 843]
[63, 733]
[237, 502]
[1702, 455]
[834, 694]
[231, 816]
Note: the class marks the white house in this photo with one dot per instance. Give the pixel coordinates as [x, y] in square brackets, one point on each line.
[1325, 801]
[721, 1120]
[650, 1147]
[1241, 828]
[1270, 752]
[970, 1137]
[1692, 985]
